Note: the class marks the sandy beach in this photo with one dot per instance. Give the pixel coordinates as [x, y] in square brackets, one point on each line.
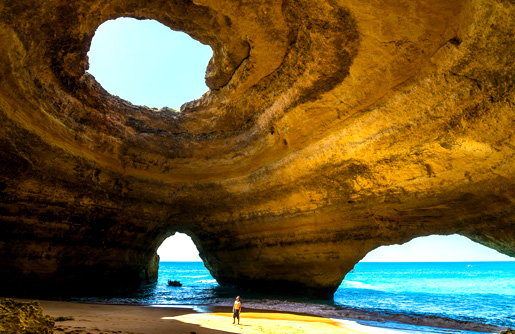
[129, 319]
[137, 319]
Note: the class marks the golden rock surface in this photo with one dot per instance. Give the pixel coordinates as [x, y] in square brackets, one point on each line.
[331, 128]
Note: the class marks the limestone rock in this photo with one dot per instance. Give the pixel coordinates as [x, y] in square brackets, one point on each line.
[24, 318]
[331, 128]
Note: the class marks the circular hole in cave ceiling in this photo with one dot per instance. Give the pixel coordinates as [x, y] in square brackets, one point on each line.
[147, 63]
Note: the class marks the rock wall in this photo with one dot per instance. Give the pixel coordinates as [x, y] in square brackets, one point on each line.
[331, 128]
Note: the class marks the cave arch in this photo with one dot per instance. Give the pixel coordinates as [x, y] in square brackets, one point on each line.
[451, 273]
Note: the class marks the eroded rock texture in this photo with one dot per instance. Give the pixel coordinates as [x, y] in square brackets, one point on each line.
[331, 128]
[24, 318]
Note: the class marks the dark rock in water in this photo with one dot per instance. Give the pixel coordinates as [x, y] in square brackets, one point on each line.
[174, 283]
[24, 318]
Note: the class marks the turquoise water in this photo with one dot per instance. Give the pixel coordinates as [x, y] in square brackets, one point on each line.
[482, 292]
[478, 291]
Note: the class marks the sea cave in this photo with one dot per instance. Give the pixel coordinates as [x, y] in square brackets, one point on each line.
[330, 128]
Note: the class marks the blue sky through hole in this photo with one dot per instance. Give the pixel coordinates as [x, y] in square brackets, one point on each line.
[434, 248]
[146, 63]
[149, 64]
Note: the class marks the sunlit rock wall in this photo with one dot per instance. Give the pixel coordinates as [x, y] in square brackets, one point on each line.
[330, 128]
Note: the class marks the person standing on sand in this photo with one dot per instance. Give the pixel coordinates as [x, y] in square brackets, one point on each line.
[236, 309]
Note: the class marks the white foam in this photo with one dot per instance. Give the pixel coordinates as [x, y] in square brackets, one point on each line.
[359, 285]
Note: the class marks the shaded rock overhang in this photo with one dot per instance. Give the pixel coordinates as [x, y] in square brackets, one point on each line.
[330, 128]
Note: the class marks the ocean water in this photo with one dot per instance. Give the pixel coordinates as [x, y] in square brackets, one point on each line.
[482, 292]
